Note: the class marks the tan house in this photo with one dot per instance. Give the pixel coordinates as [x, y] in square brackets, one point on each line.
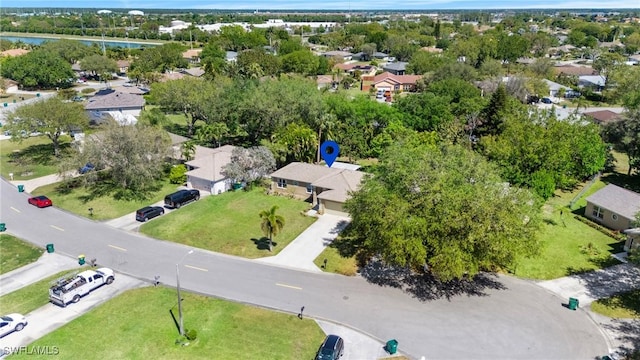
[613, 207]
[391, 82]
[192, 55]
[328, 188]
[14, 52]
[205, 170]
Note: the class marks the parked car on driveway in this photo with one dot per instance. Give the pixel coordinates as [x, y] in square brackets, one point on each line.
[40, 201]
[12, 322]
[179, 198]
[86, 168]
[332, 348]
[546, 101]
[149, 212]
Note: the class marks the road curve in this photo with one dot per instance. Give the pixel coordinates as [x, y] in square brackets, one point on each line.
[522, 321]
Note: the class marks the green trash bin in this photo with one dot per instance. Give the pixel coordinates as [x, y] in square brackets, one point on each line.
[237, 186]
[50, 248]
[20, 188]
[3, 227]
[573, 303]
[392, 346]
[81, 259]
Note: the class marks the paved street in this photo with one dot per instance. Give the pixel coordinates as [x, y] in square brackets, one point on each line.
[502, 318]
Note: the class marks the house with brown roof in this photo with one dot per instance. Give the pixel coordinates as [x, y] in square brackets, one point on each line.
[123, 66]
[388, 81]
[109, 100]
[192, 55]
[602, 117]
[573, 70]
[14, 52]
[329, 188]
[195, 71]
[205, 170]
[431, 49]
[613, 207]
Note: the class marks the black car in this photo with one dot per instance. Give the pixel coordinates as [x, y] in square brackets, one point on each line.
[179, 198]
[149, 212]
[332, 348]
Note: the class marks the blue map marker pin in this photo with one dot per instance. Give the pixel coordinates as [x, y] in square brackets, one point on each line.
[329, 151]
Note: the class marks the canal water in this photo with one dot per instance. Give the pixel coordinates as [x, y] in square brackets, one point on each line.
[107, 43]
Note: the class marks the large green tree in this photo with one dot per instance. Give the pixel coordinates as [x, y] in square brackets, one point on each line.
[51, 116]
[444, 209]
[39, 69]
[624, 135]
[99, 65]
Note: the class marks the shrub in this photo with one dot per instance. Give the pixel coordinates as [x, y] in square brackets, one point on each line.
[178, 174]
[87, 90]
[191, 334]
[614, 234]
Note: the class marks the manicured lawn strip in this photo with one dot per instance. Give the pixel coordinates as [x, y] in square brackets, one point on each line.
[229, 223]
[137, 325]
[32, 296]
[15, 253]
[625, 305]
[31, 158]
[336, 263]
[562, 237]
[105, 207]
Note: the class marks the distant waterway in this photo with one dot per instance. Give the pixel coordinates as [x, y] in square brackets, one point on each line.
[107, 43]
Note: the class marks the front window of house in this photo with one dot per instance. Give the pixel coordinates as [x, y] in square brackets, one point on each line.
[282, 183]
[598, 212]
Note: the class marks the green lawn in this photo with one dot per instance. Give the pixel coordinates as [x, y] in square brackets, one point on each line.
[626, 305]
[105, 206]
[32, 296]
[15, 253]
[31, 158]
[564, 239]
[137, 325]
[229, 223]
[336, 263]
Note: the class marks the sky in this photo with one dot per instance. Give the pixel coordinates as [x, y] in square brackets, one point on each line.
[265, 5]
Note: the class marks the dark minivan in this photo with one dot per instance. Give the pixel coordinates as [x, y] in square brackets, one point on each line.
[331, 349]
[149, 212]
[179, 198]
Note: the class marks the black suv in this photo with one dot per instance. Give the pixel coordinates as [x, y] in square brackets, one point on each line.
[149, 212]
[179, 198]
[332, 348]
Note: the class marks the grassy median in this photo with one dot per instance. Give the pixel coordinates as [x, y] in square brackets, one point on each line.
[138, 325]
[32, 296]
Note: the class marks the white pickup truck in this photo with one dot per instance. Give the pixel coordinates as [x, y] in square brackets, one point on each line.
[73, 288]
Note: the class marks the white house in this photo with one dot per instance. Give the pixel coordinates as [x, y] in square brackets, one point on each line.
[109, 100]
[205, 170]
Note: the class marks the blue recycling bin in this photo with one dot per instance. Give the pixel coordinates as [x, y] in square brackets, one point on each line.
[392, 346]
[20, 188]
[3, 227]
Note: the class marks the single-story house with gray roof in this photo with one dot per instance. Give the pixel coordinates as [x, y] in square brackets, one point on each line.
[396, 68]
[613, 207]
[595, 82]
[328, 188]
[205, 170]
[111, 100]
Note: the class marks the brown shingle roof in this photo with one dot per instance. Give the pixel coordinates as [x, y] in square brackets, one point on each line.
[602, 116]
[616, 199]
[398, 79]
[191, 53]
[575, 70]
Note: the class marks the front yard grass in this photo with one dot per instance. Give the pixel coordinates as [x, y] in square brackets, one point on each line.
[569, 246]
[30, 158]
[336, 263]
[15, 253]
[79, 199]
[621, 306]
[32, 296]
[229, 223]
[146, 330]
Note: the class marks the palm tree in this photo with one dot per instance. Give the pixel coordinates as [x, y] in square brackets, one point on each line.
[272, 223]
[188, 150]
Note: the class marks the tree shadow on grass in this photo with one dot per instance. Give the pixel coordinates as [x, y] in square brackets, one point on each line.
[426, 287]
[263, 243]
[628, 182]
[39, 154]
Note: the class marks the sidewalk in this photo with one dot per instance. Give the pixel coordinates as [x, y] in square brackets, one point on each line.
[301, 252]
[47, 265]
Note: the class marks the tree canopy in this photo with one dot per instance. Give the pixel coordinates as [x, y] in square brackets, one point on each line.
[444, 207]
[39, 69]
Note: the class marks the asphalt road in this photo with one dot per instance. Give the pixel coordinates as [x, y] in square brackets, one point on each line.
[520, 321]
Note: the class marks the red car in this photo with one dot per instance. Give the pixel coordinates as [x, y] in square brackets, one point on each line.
[40, 201]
